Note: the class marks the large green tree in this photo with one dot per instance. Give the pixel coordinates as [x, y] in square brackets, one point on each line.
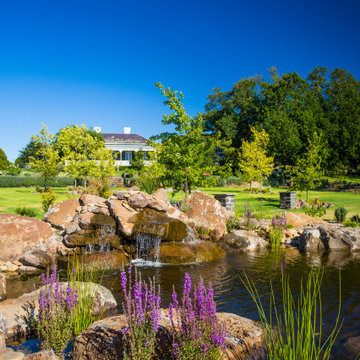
[186, 154]
[29, 151]
[4, 163]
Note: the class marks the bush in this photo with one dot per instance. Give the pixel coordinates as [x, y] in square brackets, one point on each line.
[28, 181]
[355, 218]
[340, 214]
[100, 187]
[25, 211]
[148, 185]
[352, 224]
[315, 210]
[48, 199]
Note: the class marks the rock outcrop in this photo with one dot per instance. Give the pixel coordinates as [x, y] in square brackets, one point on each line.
[242, 240]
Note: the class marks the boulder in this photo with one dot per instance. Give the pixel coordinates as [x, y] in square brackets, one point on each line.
[89, 199]
[123, 214]
[177, 253]
[337, 237]
[19, 234]
[139, 200]
[91, 221]
[16, 312]
[61, 214]
[161, 194]
[242, 240]
[36, 258]
[309, 240]
[207, 214]
[298, 219]
[43, 355]
[106, 260]
[104, 339]
[2, 287]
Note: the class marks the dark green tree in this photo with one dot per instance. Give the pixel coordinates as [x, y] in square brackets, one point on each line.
[4, 163]
[29, 151]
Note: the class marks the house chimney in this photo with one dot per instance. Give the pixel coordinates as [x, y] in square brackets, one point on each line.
[97, 129]
[127, 130]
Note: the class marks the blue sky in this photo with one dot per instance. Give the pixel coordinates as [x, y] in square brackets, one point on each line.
[96, 62]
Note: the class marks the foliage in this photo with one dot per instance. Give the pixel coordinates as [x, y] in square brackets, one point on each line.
[101, 187]
[315, 209]
[149, 185]
[340, 214]
[296, 333]
[142, 312]
[196, 331]
[4, 162]
[233, 223]
[26, 211]
[309, 168]
[48, 199]
[13, 170]
[83, 154]
[355, 218]
[352, 224]
[276, 232]
[47, 160]
[137, 162]
[254, 162]
[29, 151]
[27, 181]
[55, 318]
[187, 148]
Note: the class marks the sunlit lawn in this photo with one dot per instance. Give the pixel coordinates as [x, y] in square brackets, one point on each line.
[10, 198]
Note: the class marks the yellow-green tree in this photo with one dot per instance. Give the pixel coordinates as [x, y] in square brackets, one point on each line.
[254, 162]
[47, 160]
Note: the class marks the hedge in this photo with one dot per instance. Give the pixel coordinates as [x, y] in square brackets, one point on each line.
[27, 181]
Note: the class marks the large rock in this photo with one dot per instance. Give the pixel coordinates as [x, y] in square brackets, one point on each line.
[36, 258]
[19, 234]
[43, 355]
[89, 199]
[106, 260]
[161, 194]
[206, 214]
[2, 287]
[61, 214]
[309, 240]
[104, 339]
[16, 312]
[242, 240]
[298, 219]
[123, 215]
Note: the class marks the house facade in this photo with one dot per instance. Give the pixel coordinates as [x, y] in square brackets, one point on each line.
[123, 146]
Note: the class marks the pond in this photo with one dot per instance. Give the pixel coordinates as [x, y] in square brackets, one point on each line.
[261, 268]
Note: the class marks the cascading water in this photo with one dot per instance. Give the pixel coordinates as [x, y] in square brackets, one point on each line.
[148, 249]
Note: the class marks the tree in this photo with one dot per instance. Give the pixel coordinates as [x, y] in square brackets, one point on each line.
[309, 168]
[254, 163]
[29, 151]
[188, 153]
[47, 160]
[4, 163]
[83, 154]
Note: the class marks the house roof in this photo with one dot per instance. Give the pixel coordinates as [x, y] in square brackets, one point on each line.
[124, 138]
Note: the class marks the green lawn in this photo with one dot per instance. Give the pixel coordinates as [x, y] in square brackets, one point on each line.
[10, 198]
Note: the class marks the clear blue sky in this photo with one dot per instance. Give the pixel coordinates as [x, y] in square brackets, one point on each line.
[96, 62]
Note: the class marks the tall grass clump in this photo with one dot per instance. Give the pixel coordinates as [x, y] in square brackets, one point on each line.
[142, 312]
[197, 333]
[27, 211]
[296, 332]
[276, 232]
[148, 185]
[87, 283]
[100, 187]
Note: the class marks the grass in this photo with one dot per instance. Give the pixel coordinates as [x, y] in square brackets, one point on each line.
[11, 198]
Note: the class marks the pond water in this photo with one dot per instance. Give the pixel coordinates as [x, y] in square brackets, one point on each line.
[261, 268]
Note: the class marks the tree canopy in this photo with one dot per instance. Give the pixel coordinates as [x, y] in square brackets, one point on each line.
[4, 163]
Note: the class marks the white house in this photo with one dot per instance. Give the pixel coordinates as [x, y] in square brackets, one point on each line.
[123, 146]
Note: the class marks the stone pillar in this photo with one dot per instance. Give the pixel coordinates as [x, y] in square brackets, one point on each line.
[288, 200]
[2, 287]
[227, 201]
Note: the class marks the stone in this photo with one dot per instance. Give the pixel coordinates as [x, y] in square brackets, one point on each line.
[242, 240]
[2, 288]
[298, 219]
[207, 251]
[177, 253]
[11, 267]
[36, 258]
[72, 228]
[123, 215]
[89, 199]
[161, 194]
[337, 237]
[106, 261]
[288, 200]
[16, 311]
[28, 270]
[207, 213]
[13, 355]
[90, 221]
[309, 240]
[43, 355]
[104, 339]
[227, 201]
[19, 234]
[158, 205]
[139, 200]
[61, 214]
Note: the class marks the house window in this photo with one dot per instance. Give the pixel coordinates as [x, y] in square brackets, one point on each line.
[128, 155]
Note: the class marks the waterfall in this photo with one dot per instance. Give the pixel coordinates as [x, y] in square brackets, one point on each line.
[148, 247]
[89, 248]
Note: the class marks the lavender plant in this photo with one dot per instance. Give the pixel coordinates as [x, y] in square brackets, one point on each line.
[142, 311]
[55, 318]
[197, 333]
[277, 231]
[248, 215]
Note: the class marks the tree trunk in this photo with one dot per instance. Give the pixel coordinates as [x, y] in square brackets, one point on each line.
[75, 182]
[307, 196]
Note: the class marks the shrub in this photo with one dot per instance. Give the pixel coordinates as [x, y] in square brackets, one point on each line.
[297, 333]
[355, 218]
[352, 224]
[196, 331]
[148, 185]
[340, 214]
[142, 311]
[27, 181]
[25, 211]
[48, 199]
[100, 187]
[315, 210]
[55, 319]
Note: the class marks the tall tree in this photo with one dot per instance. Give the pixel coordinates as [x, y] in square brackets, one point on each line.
[47, 160]
[187, 154]
[4, 163]
[254, 162]
[29, 151]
